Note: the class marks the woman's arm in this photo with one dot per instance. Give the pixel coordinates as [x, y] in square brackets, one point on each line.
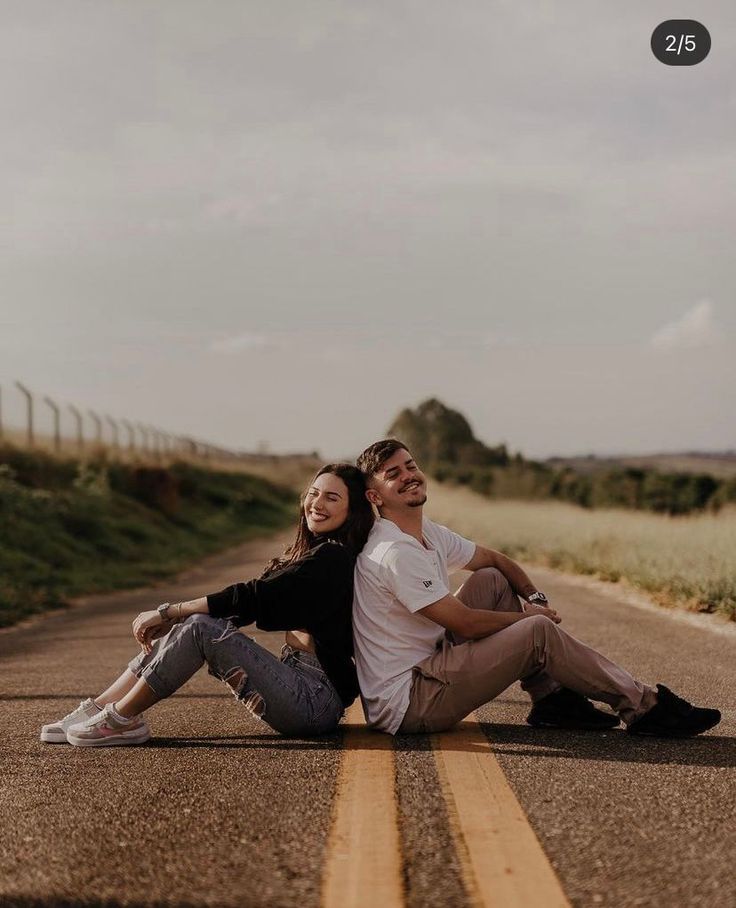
[296, 597]
[304, 592]
[149, 626]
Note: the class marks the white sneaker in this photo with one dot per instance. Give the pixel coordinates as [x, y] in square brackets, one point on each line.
[104, 730]
[55, 732]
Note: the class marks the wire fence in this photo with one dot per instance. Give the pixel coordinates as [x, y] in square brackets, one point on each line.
[40, 422]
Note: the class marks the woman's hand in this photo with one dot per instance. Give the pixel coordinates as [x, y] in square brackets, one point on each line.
[149, 626]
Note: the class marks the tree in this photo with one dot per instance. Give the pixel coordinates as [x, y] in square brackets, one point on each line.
[436, 434]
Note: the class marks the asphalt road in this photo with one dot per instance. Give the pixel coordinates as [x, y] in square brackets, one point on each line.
[217, 810]
[624, 820]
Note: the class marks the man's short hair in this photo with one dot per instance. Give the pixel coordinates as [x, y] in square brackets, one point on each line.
[375, 456]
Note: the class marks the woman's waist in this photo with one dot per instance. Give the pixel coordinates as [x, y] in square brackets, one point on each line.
[340, 673]
[302, 640]
[329, 645]
[301, 656]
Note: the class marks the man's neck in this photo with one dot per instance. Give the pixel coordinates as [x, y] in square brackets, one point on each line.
[409, 520]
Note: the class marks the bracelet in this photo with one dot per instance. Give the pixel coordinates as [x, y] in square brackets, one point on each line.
[178, 614]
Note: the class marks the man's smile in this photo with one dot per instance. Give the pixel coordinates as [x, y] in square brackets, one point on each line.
[414, 484]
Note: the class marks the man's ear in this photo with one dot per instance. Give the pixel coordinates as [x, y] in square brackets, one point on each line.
[373, 497]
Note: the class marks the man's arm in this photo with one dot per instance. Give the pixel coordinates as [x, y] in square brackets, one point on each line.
[451, 613]
[514, 573]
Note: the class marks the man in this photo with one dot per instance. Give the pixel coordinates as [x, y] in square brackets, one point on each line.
[426, 658]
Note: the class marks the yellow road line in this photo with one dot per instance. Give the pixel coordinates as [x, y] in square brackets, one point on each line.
[363, 861]
[503, 863]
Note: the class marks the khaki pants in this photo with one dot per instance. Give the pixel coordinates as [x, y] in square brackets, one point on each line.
[461, 676]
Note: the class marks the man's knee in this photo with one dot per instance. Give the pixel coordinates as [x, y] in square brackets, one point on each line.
[488, 580]
[539, 627]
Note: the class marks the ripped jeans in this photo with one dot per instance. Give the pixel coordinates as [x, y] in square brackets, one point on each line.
[292, 694]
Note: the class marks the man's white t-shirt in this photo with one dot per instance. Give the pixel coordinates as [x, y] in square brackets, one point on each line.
[395, 576]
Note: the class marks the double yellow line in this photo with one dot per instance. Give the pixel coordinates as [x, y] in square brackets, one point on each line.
[502, 862]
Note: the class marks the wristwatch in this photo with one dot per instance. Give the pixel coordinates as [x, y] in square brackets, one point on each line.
[163, 611]
[538, 598]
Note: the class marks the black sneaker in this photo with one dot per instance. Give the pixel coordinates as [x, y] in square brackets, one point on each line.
[673, 717]
[566, 708]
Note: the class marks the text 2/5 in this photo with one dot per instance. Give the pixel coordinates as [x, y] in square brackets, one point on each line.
[680, 42]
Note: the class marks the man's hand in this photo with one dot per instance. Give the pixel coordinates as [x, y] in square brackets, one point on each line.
[531, 608]
[149, 626]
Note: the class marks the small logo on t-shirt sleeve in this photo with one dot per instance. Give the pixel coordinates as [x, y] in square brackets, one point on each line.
[427, 583]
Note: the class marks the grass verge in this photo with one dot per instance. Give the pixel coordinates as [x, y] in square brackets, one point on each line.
[686, 561]
[68, 528]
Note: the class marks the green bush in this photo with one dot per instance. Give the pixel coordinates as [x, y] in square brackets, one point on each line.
[98, 526]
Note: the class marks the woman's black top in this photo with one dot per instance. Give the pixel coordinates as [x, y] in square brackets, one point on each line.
[314, 594]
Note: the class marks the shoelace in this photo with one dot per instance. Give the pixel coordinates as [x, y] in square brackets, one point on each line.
[97, 720]
[114, 723]
[71, 713]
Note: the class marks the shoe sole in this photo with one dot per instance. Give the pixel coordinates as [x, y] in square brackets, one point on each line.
[112, 741]
[676, 734]
[53, 737]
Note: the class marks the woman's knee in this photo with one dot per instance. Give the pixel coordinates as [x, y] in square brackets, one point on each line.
[205, 631]
[204, 623]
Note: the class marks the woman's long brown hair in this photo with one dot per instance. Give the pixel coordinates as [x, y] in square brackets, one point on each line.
[353, 532]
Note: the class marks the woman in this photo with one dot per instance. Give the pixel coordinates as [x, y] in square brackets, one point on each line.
[307, 592]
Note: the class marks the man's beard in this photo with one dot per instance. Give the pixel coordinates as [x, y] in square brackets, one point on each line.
[417, 504]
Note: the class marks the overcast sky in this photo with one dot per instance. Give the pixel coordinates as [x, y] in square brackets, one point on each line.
[284, 221]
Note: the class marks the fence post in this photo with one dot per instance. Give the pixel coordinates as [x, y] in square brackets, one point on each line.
[115, 434]
[144, 435]
[57, 427]
[80, 432]
[98, 427]
[29, 409]
[152, 442]
[189, 448]
[156, 443]
[131, 434]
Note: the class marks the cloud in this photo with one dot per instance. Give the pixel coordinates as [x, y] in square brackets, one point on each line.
[238, 342]
[696, 328]
[468, 340]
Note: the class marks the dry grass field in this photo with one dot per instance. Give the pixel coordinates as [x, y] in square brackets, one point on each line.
[722, 466]
[687, 561]
[292, 470]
